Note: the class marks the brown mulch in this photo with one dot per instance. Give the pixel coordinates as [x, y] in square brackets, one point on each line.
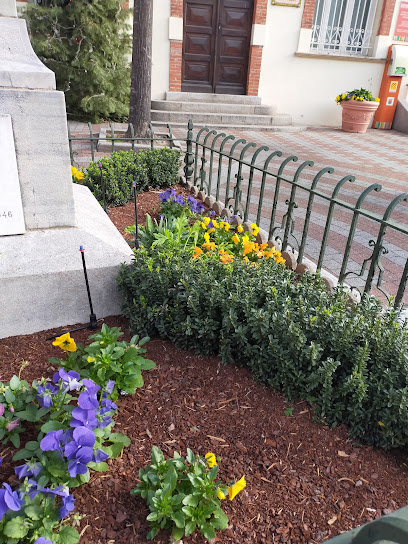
[305, 482]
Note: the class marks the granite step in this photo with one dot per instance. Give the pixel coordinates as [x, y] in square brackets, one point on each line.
[212, 119]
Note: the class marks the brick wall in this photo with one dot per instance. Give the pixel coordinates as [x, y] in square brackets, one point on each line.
[386, 18]
[308, 13]
[176, 8]
[176, 49]
[254, 70]
[260, 7]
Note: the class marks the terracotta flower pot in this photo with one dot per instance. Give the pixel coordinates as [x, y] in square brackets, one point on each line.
[357, 115]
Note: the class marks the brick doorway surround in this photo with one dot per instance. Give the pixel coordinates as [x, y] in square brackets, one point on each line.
[255, 53]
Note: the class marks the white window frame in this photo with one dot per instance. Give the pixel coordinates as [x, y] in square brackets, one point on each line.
[343, 39]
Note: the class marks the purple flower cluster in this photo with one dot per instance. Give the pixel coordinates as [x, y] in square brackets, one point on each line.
[77, 444]
[170, 196]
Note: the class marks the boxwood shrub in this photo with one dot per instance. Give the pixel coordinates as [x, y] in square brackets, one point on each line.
[156, 168]
[349, 363]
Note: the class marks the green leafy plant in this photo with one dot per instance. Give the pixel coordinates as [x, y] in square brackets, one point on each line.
[359, 95]
[155, 168]
[107, 359]
[183, 494]
[349, 363]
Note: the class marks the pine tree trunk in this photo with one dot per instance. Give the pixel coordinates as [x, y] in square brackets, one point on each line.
[140, 86]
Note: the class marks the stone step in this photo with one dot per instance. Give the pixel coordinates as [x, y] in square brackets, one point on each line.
[212, 107]
[214, 98]
[212, 119]
[233, 128]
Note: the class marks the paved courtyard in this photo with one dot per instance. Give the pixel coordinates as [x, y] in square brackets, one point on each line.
[378, 157]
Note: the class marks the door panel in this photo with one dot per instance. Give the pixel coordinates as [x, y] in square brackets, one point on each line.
[198, 45]
[216, 45]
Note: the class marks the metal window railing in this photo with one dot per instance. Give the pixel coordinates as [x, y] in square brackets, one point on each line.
[343, 26]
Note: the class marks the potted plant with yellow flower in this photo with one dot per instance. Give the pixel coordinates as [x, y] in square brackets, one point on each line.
[359, 107]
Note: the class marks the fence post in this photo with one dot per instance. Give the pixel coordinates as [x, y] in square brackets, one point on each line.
[189, 157]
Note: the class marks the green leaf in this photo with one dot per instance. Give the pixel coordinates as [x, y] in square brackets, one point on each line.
[220, 520]
[68, 535]
[15, 528]
[152, 516]
[157, 456]
[15, 440]
[9, 396]
[32, 445]
[84, 478]
[171, 477]
[99, 467]
[14, 383]
[190, 500]
[22, 454]
[208, 531]
[33, 511]
[190, 456]
[119, 437]
[178, 519]
[51, 425]
[58, 471]
[190, 527]
[177, 533]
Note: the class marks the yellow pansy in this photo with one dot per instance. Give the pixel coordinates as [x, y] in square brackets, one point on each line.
[210, 231]
[227, 226]
[222, 224]
[206, 220]
[220, 494]
[209, 246]
[236, 488]
[210, 459]
[91, 359]
[65, 342]
[240, 229]
[79, 175]
[381, 424]
[235, 239]
[203, 225]
[376, 99]
[226, 258]
[73, 170]
[255, 229]
[338, 98]
[216, 225]
[248, 247]
[343, 96]
[197, 252]
[206, 237]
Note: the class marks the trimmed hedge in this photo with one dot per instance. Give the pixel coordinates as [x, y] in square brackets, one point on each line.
[350, 364]
[157, 168]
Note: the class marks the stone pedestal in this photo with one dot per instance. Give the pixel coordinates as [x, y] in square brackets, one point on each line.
[41, 279]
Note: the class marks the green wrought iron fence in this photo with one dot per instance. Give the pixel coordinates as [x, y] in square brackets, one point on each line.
[117, 140]
[304, 211]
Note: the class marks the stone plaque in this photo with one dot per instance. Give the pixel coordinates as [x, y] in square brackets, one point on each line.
[11, 207]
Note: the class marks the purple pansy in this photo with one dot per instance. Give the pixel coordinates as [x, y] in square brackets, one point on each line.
[80, 450]
[87, 399]
[100, 456]
[9, 500]
[43, 540]
[67, 506]
[69, 379]
[31, 468]
[84, 418]
[1, 409]
[45, 394]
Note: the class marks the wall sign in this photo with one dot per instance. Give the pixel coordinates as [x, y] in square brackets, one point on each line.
[11, 207]
[401, 30]
[289, 3]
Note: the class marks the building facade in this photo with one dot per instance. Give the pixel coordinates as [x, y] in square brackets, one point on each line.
[297, 57]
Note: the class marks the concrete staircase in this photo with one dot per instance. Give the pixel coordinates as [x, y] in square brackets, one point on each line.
[220, 111]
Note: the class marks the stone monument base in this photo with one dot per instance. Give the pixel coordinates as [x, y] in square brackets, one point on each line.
[42, 283]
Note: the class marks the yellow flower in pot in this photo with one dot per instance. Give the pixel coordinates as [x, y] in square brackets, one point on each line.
[359, 107]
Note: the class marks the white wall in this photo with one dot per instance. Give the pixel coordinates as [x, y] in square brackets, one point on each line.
[306, 87]
[161, 49]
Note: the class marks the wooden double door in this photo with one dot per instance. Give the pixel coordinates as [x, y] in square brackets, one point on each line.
[216, 43]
